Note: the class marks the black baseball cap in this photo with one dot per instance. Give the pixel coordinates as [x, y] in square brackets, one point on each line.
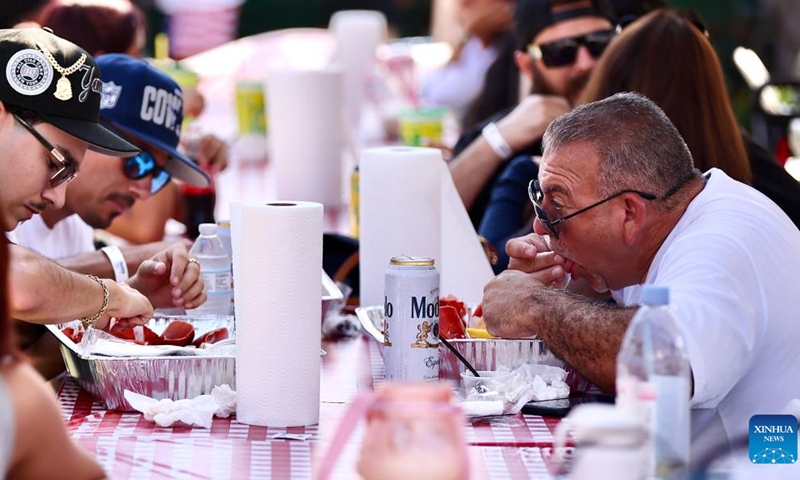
[61, 82]
[533, 16]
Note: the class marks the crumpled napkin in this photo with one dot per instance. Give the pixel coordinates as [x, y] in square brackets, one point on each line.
[513, 389]
[547, 382]
[195, 412]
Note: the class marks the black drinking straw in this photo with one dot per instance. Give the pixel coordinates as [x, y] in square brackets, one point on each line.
[458, 356]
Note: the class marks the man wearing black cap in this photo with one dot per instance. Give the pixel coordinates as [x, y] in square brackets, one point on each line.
[49, 115]
[145, 106]
[558, 43]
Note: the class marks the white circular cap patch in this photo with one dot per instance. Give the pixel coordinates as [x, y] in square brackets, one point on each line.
[28, 72]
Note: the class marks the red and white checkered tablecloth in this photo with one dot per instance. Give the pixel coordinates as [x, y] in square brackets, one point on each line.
[128, 446]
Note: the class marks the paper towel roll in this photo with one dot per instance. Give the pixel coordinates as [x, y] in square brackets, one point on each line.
[277, 257]
[358, 33]
[409, 205]
[305, 133]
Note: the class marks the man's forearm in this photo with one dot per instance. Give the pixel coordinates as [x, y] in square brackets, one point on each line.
[41, 291]
[473, 168]
[584, 333]
[97, 263]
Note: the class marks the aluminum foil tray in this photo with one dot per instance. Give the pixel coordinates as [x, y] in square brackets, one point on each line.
[331, 295]
[175, 377]
[482, 354]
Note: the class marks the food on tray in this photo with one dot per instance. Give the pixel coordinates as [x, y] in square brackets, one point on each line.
[74, 334]
[453, 301]
[477, 318]
[178, 333]
[479, 333]
[451, 324]
[141, 335]
[213, 336]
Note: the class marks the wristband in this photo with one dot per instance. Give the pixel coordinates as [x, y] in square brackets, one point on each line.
[118, 263]
[496, 141]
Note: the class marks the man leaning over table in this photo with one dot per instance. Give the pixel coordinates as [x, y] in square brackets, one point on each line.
[49, 115]
[144, 106]
[619, 204]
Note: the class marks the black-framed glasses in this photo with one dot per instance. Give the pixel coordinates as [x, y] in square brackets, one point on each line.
[537, 197]
[563, 52]
[66, 169]
[144, 164]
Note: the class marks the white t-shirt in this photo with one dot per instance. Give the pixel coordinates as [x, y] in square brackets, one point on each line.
[7, 426]
[732, 264]
[458, 83]
[71, 236]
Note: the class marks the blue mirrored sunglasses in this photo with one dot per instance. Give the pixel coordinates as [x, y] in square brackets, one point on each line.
[143, 164]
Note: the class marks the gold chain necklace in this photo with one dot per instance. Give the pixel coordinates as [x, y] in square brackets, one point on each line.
[63, 87]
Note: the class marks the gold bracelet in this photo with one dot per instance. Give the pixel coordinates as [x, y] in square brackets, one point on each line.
[90, 321]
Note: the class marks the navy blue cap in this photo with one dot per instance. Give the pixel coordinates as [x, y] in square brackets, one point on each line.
[146, 103]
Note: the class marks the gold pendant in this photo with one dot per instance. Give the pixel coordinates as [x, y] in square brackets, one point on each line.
[63, 89]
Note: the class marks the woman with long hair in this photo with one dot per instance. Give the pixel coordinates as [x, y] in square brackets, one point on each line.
[667, 57]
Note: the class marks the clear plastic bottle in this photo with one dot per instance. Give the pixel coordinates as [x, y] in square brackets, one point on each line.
[215, 266]
[654, 380]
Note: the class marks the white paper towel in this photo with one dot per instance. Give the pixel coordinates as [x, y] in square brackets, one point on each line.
[358, 33]
[277, 257]
[409, 205]
[305, 133]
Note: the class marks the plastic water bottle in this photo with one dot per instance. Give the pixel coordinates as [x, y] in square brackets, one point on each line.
[654, 380]
[215, 266]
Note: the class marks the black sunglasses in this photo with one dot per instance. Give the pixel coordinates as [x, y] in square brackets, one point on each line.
[537, 197]
[66, 169]
[143, 164]
[563, 52]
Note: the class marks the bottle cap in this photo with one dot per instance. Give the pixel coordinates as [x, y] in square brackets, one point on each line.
[208, 229]
[654, 296]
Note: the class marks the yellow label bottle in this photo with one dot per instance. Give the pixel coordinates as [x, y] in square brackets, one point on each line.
[354, 219]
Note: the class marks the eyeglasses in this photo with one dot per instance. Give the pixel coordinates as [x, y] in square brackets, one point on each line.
[66, 169]
[144, 164]
[563, 52]
[537, 197]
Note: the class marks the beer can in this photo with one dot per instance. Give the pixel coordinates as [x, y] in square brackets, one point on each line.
[411, 314]
[250, 108]
[354, 204]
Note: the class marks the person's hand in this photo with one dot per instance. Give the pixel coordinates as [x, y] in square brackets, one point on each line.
[528, 121]
[129, 306]
[485, 20]
[168, 279]
[510, 305]
[532, 253]
[212, 154]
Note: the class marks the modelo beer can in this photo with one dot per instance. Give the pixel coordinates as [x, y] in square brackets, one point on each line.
[411, 320]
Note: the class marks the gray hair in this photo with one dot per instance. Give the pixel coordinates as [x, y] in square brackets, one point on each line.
[637, 145]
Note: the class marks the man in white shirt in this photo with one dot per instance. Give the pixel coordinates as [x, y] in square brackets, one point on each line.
[619, 204]
[49, 116]
[144, 106]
